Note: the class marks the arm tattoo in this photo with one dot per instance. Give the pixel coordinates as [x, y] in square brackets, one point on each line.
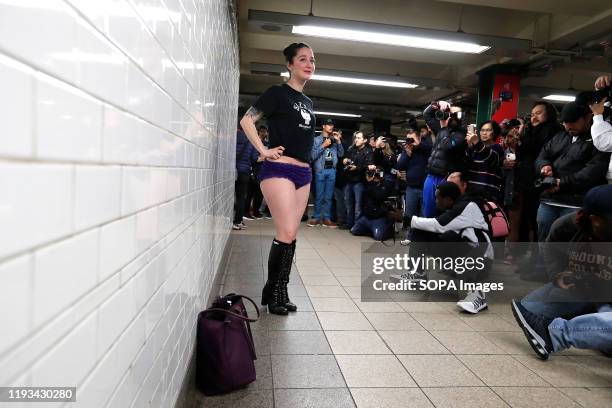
[254, 114]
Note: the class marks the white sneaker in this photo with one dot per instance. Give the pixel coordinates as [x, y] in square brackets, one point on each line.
[236, 227]
[242, 225]
[474, 302]
[408, 276]
[248, 217]
[405, 242]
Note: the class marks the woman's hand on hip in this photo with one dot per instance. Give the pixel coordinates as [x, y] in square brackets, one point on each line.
[274, 153]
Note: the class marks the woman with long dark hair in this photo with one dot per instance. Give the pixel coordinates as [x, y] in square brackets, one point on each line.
[285, 175]
[485, 158]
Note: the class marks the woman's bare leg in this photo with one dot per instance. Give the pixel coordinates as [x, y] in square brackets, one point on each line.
[280, 194]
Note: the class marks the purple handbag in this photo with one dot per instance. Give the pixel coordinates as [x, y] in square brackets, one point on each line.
[224, 346]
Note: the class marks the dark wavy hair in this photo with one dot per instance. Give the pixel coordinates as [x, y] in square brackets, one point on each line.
[551, 111]
[494, 125]
[291, 51]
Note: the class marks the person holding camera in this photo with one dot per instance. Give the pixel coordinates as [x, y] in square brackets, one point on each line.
[485, 158]
[326, 149]
[412, 169]
[602, 128]
[575, 308]
[448, 151]
[373, 220]
[384, 157]
[568, 166]
[356, 161]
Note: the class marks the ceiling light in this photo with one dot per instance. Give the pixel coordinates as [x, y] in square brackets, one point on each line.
[560, 98]
[387, 34]
[353, 80]
[348, 115]
[390, 39]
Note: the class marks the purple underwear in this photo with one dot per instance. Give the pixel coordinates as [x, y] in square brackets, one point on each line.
[299, 175]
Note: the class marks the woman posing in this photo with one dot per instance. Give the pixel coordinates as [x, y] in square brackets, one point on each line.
[285, 175]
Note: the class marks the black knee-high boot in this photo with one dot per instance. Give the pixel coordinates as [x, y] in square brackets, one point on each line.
[271, 294]
[284, 278]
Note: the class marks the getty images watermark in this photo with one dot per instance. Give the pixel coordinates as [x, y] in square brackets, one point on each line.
[414, 271]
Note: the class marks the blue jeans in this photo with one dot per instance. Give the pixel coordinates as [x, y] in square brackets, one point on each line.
[414, 205]
[547, 214]
[353, 192]
[429, 195]
[324, 191]
[574, 322]
[379, 228]
[590, 331]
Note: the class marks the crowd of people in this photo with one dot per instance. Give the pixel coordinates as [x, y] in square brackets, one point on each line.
[448, 179]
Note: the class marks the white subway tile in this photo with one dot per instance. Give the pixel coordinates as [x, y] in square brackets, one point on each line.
[117, 246]
[97, 195]
[52, 47]
[67, 363]
[114, 316]
[121, 137]
[16, 108]
[68, 123]
[24, 188]
[100, 384]
[64, 272]
[15, 301]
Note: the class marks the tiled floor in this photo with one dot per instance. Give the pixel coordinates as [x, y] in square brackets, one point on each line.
[338, 351]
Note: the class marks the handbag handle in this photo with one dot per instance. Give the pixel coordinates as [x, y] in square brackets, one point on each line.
[239, 316]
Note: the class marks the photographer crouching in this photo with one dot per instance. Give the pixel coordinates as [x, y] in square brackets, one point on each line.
[373, 220]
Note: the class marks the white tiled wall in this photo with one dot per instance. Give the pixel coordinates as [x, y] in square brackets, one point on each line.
[117, 132]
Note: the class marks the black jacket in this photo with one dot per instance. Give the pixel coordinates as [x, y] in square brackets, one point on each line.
[374, 196]
[448, 152]
[415, 165]
[578, 165]
[361, 158]
[380, 159]
[528, 151]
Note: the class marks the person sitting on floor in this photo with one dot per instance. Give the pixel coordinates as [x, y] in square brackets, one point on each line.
[575, 308]
[461, 222]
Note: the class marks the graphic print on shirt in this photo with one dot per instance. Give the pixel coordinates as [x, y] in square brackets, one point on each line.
[305, 112]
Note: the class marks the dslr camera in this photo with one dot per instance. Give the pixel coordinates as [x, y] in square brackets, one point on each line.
[348, 164]
[378, 172]
[544, 183]
[446, 114]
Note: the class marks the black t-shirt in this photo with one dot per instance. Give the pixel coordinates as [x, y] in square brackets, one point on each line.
[291, 121]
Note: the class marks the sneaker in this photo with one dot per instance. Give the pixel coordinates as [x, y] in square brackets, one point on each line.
[405, 242]
[535, 328]
[257, 215]
[409, 276]
[330, 224]
[242, 225]
[474, 302]
[268, 216]
[248, 217]
[236, 227]
[313, 223]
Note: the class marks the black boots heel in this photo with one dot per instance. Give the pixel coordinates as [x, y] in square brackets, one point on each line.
[272, 293]
[287, 262]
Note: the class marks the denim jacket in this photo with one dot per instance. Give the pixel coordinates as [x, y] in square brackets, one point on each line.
[318, 153]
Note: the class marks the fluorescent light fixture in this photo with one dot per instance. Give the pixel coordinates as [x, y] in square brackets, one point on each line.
[353, 80]
[560, 98]
[390, 39]
[347, 115]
